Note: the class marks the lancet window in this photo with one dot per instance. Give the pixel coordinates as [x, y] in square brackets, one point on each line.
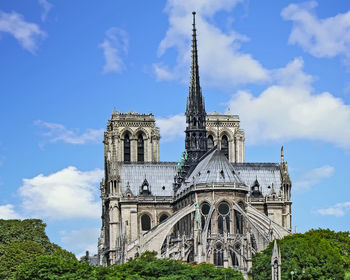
[224, 145]
[127, 148]
[140, 149]
[205, 208]
[239, 219]
[219, 255]
[223, 218]
[145, 222]
[210, 142]
[234, 258]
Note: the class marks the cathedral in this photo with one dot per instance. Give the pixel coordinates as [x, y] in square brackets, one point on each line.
[211, 206]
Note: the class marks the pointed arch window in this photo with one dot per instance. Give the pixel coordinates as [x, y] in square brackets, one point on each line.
[234, 259]
[205, 208]
[127, 148]
[219, 255]
[145, 222]
[239, 219]
[140, 148]
[223, 218]
[224, 145]
[163, 217]
[210, 142]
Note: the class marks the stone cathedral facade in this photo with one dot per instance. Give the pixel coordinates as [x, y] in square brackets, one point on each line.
[211, 206]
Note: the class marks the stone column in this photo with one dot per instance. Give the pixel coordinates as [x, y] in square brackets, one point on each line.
[133, 225]
[114, 221]
[133, 149]
[225, 259]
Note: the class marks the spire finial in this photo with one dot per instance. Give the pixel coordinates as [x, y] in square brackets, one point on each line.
[195, 102]
[194, 21]
[195, 86]
[282, 155]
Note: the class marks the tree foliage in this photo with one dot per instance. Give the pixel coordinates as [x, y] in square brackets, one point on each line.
[145, 267]
[25, 230]
[55, 267]
[27, 253]
[15, 253]
[317, 254]
[23, 241]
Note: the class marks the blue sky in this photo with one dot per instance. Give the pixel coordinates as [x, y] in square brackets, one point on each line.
[283, 66]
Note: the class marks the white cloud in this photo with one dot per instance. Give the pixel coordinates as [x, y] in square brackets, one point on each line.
[46, 6]
[80, 241]
[171, 127]
[55, 132]
[221, 61]
[290, 109]
[320, 37]
[115, 47]
[7, 212]
[28, 34]
[337, 210]
[162, 72]
[313, 177]
[68, 193]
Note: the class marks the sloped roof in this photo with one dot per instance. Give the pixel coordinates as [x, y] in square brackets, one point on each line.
[213, 168]
[158, 175]
[162, 174]
[266, 174]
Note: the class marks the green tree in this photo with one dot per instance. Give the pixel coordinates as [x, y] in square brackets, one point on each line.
[206, 271]
[53, 267]
[12, 255]
[23, 241]
[25, 230]
[147, 266]
[317, 254]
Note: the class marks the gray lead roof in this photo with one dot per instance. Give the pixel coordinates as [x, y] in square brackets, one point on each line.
[162, 174]
[266, 173]
[214, 168]
[158, 175]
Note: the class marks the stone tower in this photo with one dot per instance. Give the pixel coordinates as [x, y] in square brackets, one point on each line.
[223, 130]
[131, 137]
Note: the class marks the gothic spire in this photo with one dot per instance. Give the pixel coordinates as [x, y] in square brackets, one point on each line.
[196, 141]
[195, 102]
[276, 262]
